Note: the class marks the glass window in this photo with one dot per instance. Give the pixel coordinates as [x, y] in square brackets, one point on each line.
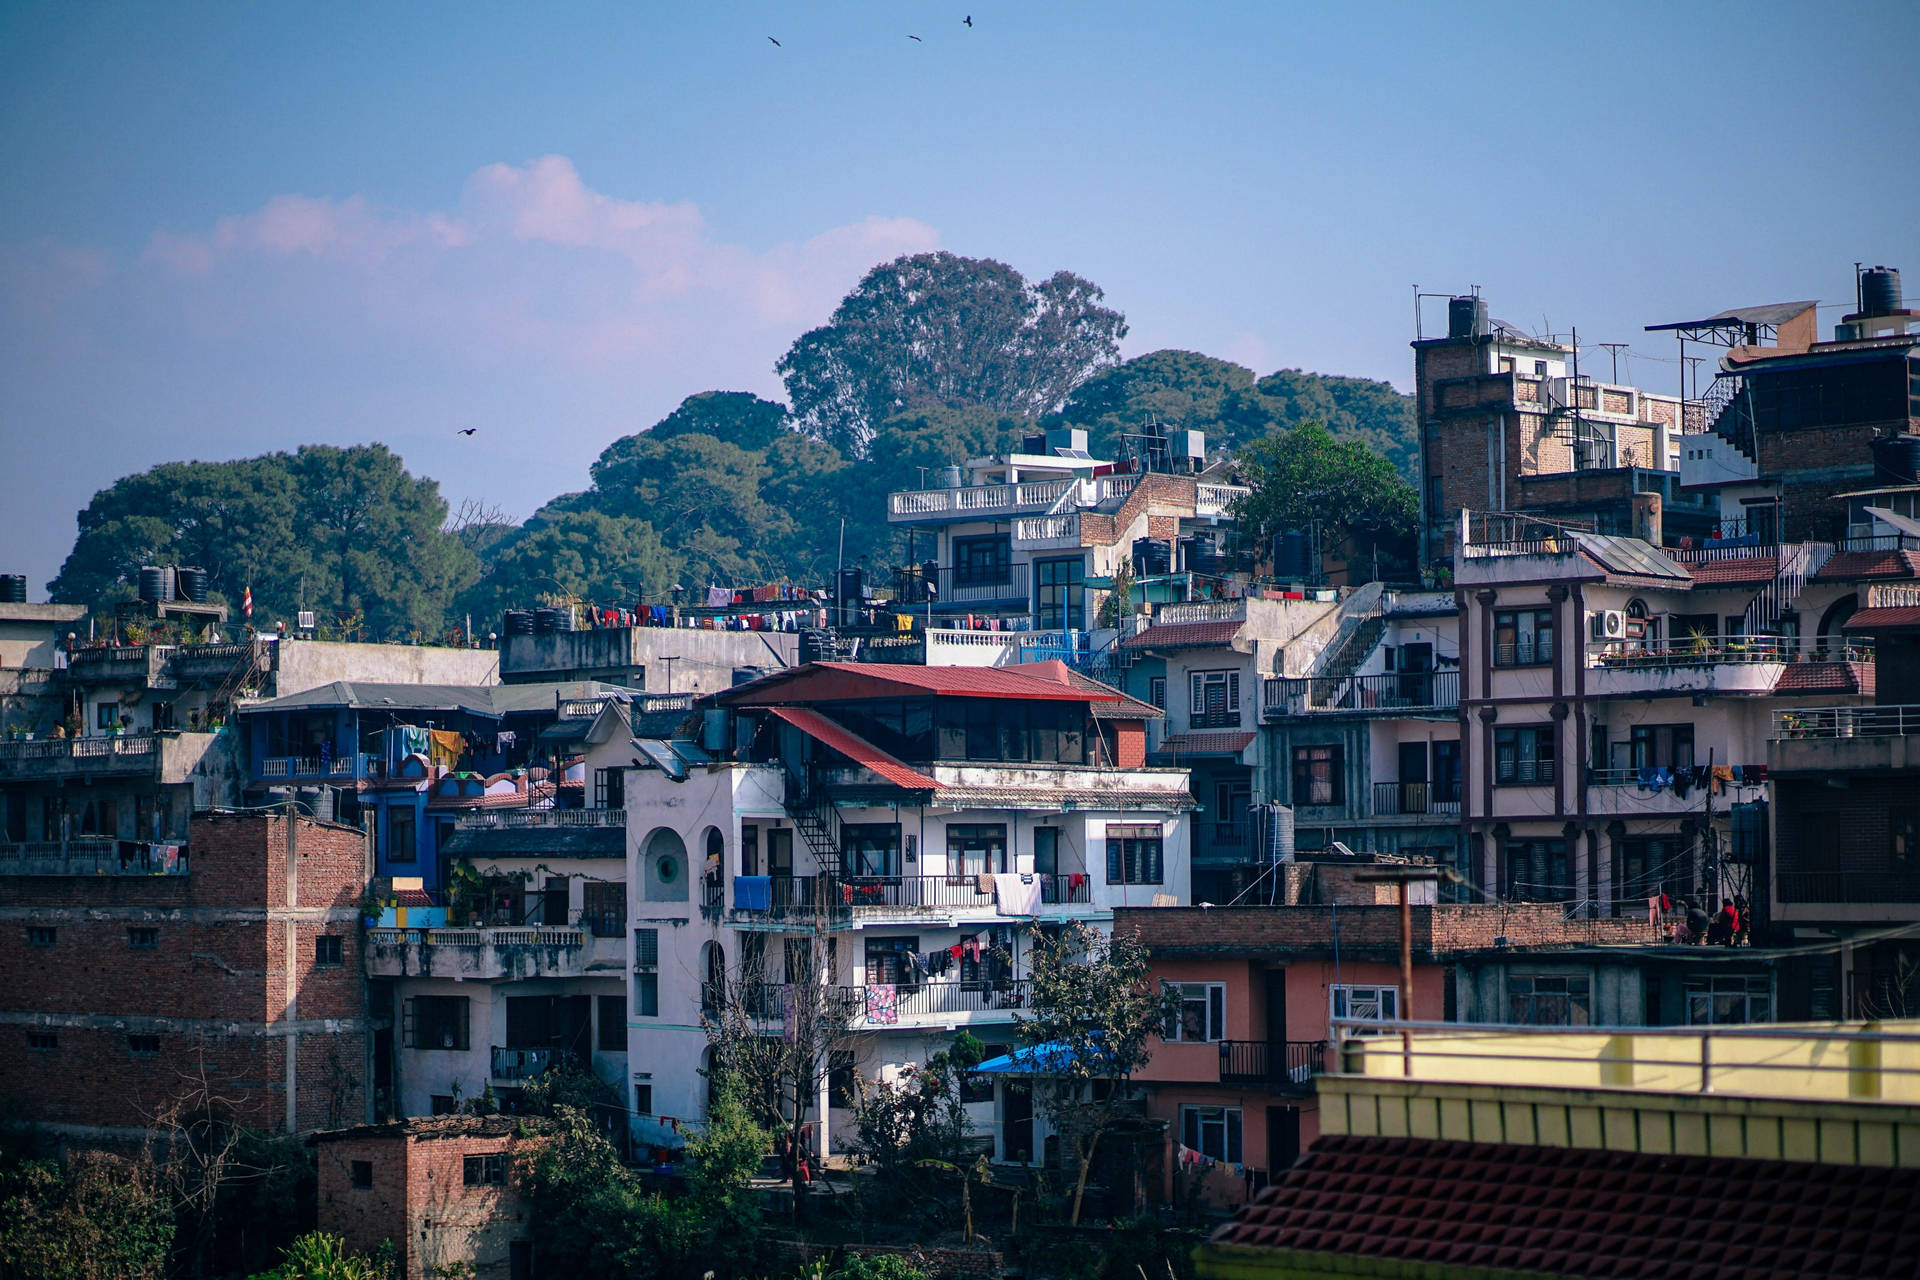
[1212, 1131]
[436, 1022]
[1523, 756]
[1202, 1014]
[1060, 600]
[980, 562]
[1133, 855]
[1549, 1001]
[1157, 691]
[1662, 746]
[1904, 852]
[976, 848]
[1319, 775]
[841, 1089]
[1364, 1004]
[401, 845]
[609, 788]
[870, 849]
[1215, 700]
[1729, 999]
[1523, 638]
[892, 960]
[1537, 871]
[326, 949]
[484, 1170]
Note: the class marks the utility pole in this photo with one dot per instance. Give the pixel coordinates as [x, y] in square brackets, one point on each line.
[670, 662]
[1615, 348]
[1406, 875]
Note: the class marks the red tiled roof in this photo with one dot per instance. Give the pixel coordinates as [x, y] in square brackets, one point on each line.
[1185, 635]
[1219, 743]
[1826, 677]
[1848, 566]
[1893, 618]
[1580, 1212]
[831, 681]
[855, 748]
[1746, 571]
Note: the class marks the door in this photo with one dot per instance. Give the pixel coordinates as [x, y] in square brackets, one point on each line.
[1276, 1002]
[1416, 674]
[780, 851]
[554, 901]
[1413, 777]
[1016, 1120]
[1283, 1138]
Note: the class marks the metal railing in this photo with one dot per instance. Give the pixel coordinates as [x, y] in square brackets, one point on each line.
[542, 818]
[960, 585]
[1847, 886]
[1278, 1065]
[933, 1000]
[120, 746]
[1696, 651]
[1066, 889]
[1897, 721]
[1524, 772]
[88, 856]
[527, 1064]
[1524, 653]
[1392, 691]
[1406, 799]
[833, 894]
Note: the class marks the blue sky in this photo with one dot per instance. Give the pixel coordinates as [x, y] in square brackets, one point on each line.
[229, 229]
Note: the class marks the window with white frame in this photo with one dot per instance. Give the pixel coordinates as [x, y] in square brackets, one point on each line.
[1363, 1004]
[1214, 700]
[1202, 1015]
[1212, 1131]
[1546, 1000]
[1157, 691]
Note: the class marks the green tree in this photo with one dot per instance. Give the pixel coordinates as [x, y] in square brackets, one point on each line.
[1092, 1016]
[320, 1256]
[739, 418]
[1180, 389]
[702, 495]
[725, 1154]
[590, 1216]
[937, 330]
[574, 555]
[1304, 479]
[1358, 409]
[920, 1117]
[105, 1219]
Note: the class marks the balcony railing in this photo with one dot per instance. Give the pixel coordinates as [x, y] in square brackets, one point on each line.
[527, 1064]
[1847, 722]
[1047, 531]
[790, 896]
[1390, 692]
[129, 746]
[543, 818]
[1281, 1066]
[90, 856]
[1398, 799]
[987, 499]
[932, 1001]
[1066, 889]
[1702, 651]
[961, 585]
[349, 765]
[1848, 886]
[1216, 499]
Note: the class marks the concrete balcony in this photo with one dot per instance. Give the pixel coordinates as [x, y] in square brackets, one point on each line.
[1217, 499]
[1845, 740]
[974, 502]
[1749, 665]
[1289, 1067]
[1391, 694]
[1618, 792]
[122, 664]
[165, 757]
[933, 1004]
[319, 768]
[1042, 533]
[90, 856]
[490, 954]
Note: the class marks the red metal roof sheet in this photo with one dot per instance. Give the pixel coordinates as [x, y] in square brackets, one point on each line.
[1569, 1211]
[1219, 743]
[1893, 618]
[1848, 566]
[1185, 635]
[831, 681]
[1746, 571]
[855, 748]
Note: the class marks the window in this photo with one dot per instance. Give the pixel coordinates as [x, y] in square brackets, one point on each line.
[976, 848]
[44, 1041]
[841, 1089]
[1319, 775]
[401, 844]
[143, 1046]
[1363, 1004]
[1904, 849]
[1523, 757]
[870, 849]
[613, 1025]
[646, 973]
[1202, 1014]
[603, 908]
[484, 1171]
[1523, 638]
[1662, 746]
[891, 960]
[1060, 600]
[609, 788]
[1212, 1131]
[1641, 864]
[1537, 871]
[442, 1104]
[1542, 1001]
[981, 562]
[643, 1099]
[1157, 691]
[326, 949]
[106, 715]
[41, 935]
[1215, 700]
[362, 1174]
[1133, 854]
[141, 938]
[1725, 999]
[436, 1022]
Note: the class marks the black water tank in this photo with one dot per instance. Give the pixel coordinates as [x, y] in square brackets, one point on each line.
[1292, 557]
[816, 645]
[1897, 458]
[1206, 555]
[1152, 557]
[13, 588]
[517, 622]
[153, 583]
[546, 622]
[1467, 318]
[192, 584]
[1879, 291]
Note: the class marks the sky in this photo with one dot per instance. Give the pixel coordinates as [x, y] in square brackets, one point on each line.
[231, 229]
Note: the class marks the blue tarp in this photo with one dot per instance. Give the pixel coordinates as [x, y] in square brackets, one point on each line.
[1039, 1060]
[752, 893]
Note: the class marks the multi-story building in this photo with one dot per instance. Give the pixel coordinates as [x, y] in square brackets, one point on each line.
[1034, 538]
[891, 833]
[1509, 422]
[225, 971]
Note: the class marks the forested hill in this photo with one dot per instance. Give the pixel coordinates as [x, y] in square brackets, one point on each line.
[931, 359]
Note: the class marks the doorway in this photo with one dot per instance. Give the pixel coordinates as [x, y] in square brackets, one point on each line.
[1016, 1121]
[780, 852]
[1283, 1139]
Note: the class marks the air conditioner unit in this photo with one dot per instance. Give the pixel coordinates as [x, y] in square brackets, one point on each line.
[306, 619]
[1609, 624]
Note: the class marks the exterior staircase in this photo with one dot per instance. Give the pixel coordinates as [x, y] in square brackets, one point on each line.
[1798, 562]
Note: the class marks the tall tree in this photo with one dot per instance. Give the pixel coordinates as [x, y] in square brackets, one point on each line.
[574, 555]
[1092, 1017]
[938, 330]
[1181, 389]
[737, 417]
[1305, 480]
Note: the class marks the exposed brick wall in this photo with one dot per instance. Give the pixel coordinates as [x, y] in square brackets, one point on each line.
[1812, 464]
[1130, 744]
[213, 987]
[1366, 930]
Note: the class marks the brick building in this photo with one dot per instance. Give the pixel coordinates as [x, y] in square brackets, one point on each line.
[443, 1190]
[239, 958]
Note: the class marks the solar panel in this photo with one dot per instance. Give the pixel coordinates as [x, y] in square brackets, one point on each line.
[662, 757]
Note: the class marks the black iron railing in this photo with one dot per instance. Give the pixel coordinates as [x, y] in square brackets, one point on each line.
[1290, 1064]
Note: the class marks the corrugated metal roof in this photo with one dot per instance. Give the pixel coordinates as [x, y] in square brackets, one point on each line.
[1185, 635]
[855, 748]
[480, 700]
[1497, 1209]
[1767, 313]
[1127, 708]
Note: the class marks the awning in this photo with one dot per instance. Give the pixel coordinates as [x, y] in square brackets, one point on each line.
[855, 748]
[1038, 1060]
[1899, 523]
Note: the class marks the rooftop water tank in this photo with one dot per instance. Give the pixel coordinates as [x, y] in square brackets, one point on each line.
[13, 588]
[1467, 318]
[153, 584]
[1879, 291]
[949, 477]
[193, 585]
[1292, 557]
[517, 622]
[1897, 458]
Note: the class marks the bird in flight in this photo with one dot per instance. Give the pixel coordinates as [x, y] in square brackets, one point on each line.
[776, 43]
[967, 21]
[466, 431]
[916, 39]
